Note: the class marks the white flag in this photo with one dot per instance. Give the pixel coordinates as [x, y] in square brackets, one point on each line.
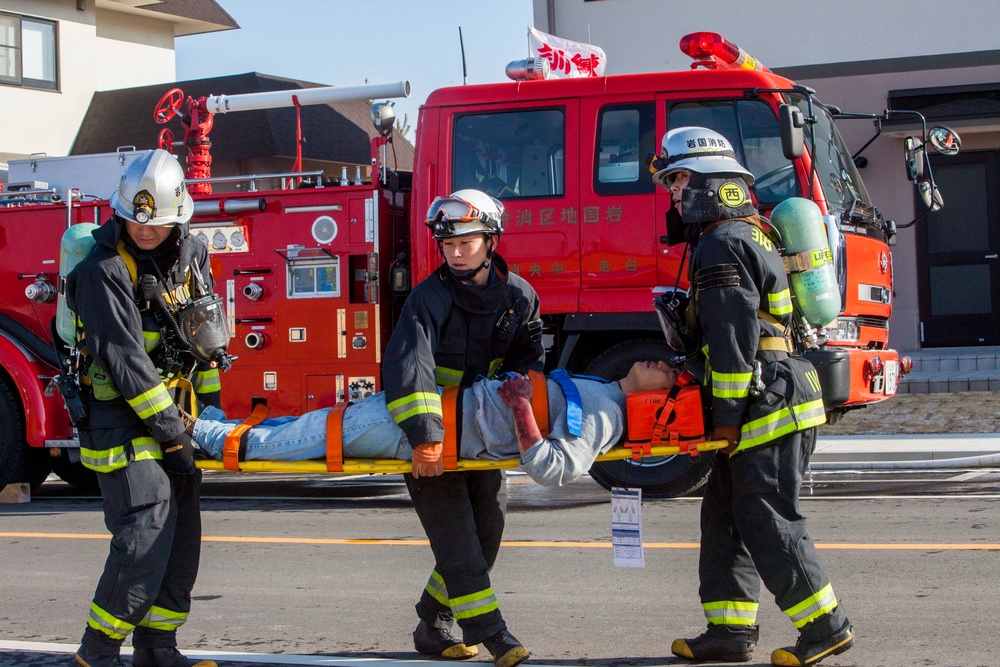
[567, 59]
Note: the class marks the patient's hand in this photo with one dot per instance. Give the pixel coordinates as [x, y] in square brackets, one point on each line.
[515, 390]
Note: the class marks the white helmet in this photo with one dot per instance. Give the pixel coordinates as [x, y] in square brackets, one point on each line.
[697, 149]
[152, 191]
[464, 212]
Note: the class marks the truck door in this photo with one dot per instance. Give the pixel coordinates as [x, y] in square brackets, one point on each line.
[529, 158]
[958, 250]
[619, 231]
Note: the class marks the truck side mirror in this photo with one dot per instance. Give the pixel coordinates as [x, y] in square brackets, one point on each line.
[913, 155]
[791, 122]
[944, 140]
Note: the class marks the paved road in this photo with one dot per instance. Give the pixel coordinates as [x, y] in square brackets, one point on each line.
[331, 571]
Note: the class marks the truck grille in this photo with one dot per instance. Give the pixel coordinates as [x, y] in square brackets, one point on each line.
[873, 322]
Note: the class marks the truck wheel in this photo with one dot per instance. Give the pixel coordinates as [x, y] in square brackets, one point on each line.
[16, 460]
[659, 477]
[75, 474]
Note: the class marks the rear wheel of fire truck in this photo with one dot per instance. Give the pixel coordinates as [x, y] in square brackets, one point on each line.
[659, 477]
[75, 474]
[18, 461]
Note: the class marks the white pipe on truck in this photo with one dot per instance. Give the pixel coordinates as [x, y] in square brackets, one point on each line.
[283, 98]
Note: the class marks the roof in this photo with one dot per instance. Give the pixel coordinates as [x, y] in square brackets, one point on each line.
[190, 17]
[338, 132]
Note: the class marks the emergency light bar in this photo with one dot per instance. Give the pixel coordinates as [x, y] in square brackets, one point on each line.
[713, 51]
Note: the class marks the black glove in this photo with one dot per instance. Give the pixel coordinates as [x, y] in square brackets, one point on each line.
[178, 455]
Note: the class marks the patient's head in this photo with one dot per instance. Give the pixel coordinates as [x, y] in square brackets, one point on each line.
[649, 376]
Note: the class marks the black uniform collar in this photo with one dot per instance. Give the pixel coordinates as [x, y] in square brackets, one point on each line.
[478, 298]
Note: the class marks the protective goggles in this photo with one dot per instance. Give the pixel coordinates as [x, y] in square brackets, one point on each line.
[453, 209]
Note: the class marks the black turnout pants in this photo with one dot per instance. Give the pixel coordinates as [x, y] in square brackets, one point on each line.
[155, 523]
[463, 516]
[752, 530]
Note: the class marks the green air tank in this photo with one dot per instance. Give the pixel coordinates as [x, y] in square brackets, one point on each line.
[808, 260]
[75, 245]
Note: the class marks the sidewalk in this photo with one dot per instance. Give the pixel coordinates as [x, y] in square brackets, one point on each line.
[904, 447]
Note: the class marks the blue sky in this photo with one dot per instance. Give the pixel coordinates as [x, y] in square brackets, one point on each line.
[345, 42]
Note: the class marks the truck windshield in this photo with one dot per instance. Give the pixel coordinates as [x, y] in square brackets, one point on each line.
[837, 174]
[752, 128]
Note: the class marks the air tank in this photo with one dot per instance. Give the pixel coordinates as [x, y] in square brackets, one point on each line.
[808, 260]
[75, 244]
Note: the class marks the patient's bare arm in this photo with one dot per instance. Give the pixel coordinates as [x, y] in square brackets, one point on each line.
[517, 393]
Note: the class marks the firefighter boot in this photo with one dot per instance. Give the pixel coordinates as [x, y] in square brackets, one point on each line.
[84, 658]
[440, 643]
[811, 651]
[165, 657]
[720, 643]
[506, 650]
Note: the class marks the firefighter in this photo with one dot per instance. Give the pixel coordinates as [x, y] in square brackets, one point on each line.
[469, 318]
[127, 292]
[766, 402]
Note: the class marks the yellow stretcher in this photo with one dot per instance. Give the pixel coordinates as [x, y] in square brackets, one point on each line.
[396, 466]
[660, 423]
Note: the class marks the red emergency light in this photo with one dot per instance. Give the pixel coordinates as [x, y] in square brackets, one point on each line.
[713, 51]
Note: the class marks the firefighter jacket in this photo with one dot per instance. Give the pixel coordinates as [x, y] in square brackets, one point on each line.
[124, 349]
[743, 310]
[451, 332]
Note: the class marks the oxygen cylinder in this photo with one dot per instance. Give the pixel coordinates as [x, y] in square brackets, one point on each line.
[808, 260]
[75, 244]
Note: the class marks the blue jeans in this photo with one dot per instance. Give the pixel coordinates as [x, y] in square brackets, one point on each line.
[369, 432]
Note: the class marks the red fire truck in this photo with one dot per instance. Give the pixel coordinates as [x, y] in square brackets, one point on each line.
[314, 277]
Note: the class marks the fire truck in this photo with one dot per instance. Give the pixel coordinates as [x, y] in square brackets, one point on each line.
[314, 273]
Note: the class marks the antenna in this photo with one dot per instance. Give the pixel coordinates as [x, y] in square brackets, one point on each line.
[461, 44]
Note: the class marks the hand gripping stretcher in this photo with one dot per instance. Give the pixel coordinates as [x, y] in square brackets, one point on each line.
[660, 423]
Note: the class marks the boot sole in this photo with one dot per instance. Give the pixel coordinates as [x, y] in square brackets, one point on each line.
[780, 660]
[681, 649]
[513, 657]
[453, 652]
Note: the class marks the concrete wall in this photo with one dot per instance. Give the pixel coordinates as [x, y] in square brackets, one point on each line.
[97, 50]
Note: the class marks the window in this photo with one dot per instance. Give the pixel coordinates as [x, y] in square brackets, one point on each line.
[28, 53]
[625, 134]
[752, 129]
[512, 154]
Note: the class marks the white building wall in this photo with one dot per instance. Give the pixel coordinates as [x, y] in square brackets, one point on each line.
[642, 35]
[98, 50]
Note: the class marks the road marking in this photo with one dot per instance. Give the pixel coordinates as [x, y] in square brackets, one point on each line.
[250, 658]
[549, 545]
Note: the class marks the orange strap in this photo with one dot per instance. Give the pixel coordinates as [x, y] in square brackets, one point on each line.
[540, 401]
[335, 438]
[235, 447]
[449, 408]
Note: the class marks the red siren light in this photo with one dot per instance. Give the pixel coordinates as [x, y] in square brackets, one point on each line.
[713, 51]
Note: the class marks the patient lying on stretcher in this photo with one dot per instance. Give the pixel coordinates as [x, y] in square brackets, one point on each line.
[497, 423]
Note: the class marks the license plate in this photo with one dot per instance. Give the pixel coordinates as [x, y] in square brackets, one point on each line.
[891, 377]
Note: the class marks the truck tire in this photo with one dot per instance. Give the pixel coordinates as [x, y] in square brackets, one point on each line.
[659, 477]
[75, 474]
[18, 462]
[15, 457]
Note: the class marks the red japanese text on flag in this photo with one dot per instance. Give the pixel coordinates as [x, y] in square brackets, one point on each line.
[567, 59]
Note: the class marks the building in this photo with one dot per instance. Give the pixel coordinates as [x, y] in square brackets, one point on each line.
[942, 59]
[55, 54]
[85, 76]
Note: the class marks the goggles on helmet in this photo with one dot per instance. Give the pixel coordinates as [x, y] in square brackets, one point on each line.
[444, 212]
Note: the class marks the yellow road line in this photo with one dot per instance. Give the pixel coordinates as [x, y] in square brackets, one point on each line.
[573, 545]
